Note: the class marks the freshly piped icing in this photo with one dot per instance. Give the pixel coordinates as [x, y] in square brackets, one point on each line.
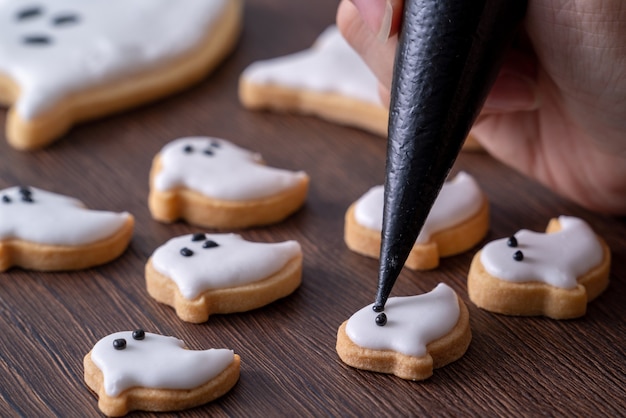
[226, 261]
[38, 216]
[221, 170]
[412, 322]
[330, 66]
[52, 49]
[459, 199]
[557, 259]
[155, 361]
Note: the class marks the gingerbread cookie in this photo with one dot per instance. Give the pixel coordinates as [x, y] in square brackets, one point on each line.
[40, 230]
[553, 274]
[413, 336]
[66, 61]
[458, 220]
[137, 370]
[213, 183]
[202, 274]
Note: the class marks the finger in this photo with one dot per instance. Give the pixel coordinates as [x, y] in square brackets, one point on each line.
[382, 17]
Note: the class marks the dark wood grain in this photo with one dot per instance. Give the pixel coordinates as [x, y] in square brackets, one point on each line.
[514, 366]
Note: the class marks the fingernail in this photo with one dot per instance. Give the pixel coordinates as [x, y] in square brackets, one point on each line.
[512, 92]
[377, 16]
[385, 26]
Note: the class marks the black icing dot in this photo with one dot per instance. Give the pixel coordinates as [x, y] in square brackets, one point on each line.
[208, 152]
[29, 12]
[37, 40]
[65, 20]
[518, 256]
[378, 308]
[139, 334]
[27, 198]
[381, 319]
[210, 244]
[186, 252]
[512, 242]
[198, 237]
[188, 149]
[24, 190]
[215, 144]
[6, 199]
[119, 343]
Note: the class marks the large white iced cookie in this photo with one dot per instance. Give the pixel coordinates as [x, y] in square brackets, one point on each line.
[212, 182]
[137, 370]
[63, 61]
[41, 230]
[202, 274]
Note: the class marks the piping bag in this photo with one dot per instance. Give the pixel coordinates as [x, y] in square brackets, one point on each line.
[449, 53]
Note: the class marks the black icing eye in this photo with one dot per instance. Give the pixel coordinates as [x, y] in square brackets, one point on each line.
[512, 242]
[215, 144]
[210, 244]
[139, 334]
[208, 152]
[198, 237]
[119, 343]
[37, 40]
[188, 149]
[518, 256]
[27, 198]
[24, 190]
[29, 12]
[6, 199]
[186, 252]
[381, 319]
[65, 20]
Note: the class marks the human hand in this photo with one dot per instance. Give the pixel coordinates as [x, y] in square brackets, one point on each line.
[557, 111]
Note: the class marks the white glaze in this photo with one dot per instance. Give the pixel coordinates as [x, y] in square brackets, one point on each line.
[54, 219]
[459, 200]
[231, 173]
[557, 259]
[234, 262]
[412, 322]
[113, 38]
[157, 362]
[330, 66]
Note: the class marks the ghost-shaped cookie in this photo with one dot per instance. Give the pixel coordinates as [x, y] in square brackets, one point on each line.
[418, 334]
[201, 274]
[329, 80]
[458, 220]
[531, 273]
[41, 230]
[212, 182]
[137, 370]
[64, 61]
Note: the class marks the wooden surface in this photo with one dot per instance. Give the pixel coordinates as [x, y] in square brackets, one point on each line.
[514, 366]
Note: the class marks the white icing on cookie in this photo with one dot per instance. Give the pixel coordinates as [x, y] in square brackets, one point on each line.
[458, 201]
[330, 66]
[412, 322]
[157, 362]
[557, 259]
[221, 170]
[78, 44]
[53, 219]
[233, 262]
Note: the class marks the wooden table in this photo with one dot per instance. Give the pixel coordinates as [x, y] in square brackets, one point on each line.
[514, 366]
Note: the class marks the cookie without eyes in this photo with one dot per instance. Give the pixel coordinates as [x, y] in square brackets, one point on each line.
[137, 370]
[420, 333]
[67, 61]
[202, 274]
[554, 274]
[458, 220]
[40, 230]
[213, 183]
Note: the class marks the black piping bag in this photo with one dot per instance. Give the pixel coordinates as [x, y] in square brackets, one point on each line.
[449, 53]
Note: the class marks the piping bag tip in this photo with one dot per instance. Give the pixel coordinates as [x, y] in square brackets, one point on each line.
[449, 53]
